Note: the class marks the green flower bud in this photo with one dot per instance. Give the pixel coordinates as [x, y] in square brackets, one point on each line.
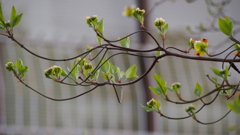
[138, 14]
[176, 85]
[87, 66]
[53, 72]
[10, 66]
[191, 42]
[7, 24]
[191, 110]
[91, 20]
[200, 47]
[138, 11]
[151, 103]
[159, 22]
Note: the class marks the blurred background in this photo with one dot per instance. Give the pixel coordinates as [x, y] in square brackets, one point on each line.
[57, 29]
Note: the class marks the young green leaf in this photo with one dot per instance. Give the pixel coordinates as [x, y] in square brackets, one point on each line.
[21, 68]
[13, 15]
[170, 89]
[75, 70]
[158, 53]
[64, 73]
[235, 106]
[100, 27]
[165, 28]
[1, 13]
[108, 77]
[227, 91]
[1, 25]
[99, 39]
[216, 72]
[113, 69]
[198, 90]
[120, 73]
[125, 42]
[95, 75]
[214, 79]
[105, 65]
[161, 83]
[131, 72]
[147, 108]
[225, 25]
[226, 73]
[16, 20]
[156, 90]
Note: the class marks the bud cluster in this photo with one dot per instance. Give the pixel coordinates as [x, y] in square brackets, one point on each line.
[191, 110]
[138, 14]
[198, 46]
[10, 67]
[87, 66]
[153, 104]
[92, 20]
[54, 72]
[176, 86]
[162, 26]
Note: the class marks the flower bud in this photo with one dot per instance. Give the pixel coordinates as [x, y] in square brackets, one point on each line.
[7, 24]
[191, 42]
[87, 66]
[151, 103]
[190, 109]
[10, 66]
[159, 22]
[176, 85]
[138, 11]
[91, 20]
[54, 72]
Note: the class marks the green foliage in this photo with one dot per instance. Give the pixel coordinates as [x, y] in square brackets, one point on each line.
[221, 73]
[162, 26]
[235, 106]
[18, 68]
[125, 42]
[138, 14]
[109, 71]
[99, 28]
[191, 110]
[176, 86]
[131, 72]
[1, 14]
[198, 90]
[15, 19]
[226, 25]
[161, 89]
[152, 105]
[75, 69]
[105, 65]
[54, 72]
